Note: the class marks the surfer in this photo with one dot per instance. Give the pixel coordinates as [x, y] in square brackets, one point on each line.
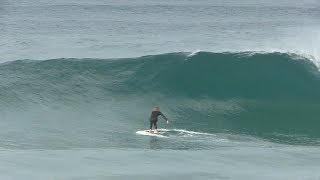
[154, 118]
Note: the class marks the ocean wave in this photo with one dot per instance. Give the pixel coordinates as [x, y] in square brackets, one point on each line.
[244, 92]
[219, 75]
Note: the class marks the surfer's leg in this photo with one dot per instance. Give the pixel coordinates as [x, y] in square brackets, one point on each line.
[151, 125]
[155, 125]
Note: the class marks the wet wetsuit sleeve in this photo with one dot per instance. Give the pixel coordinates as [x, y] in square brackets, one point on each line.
[163, 116]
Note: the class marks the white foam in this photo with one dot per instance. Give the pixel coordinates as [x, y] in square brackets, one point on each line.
[145, 133]
[191, 132]
[194, 53]
[162, 131]
[186, 132]
[182, 133]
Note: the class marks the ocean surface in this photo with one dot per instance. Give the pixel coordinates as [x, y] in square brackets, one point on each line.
[238, 80]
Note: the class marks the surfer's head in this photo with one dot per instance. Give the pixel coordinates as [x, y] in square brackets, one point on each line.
[156, 108]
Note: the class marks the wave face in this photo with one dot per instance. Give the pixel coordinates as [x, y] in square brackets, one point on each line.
[269, 95]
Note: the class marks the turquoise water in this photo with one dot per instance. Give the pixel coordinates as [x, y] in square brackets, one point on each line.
[239, 82]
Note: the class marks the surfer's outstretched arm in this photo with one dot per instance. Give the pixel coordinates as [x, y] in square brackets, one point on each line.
[164, 117]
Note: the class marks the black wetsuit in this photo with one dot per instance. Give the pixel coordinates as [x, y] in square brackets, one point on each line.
[154, 118]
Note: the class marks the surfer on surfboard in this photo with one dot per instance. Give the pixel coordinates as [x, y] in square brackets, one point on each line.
[154, 118]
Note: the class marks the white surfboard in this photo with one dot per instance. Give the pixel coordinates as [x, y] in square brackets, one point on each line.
[152, 133]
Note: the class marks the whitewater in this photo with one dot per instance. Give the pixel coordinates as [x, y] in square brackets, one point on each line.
[239, 82]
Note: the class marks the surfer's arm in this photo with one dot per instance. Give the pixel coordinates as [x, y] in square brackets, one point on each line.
[164, 116]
